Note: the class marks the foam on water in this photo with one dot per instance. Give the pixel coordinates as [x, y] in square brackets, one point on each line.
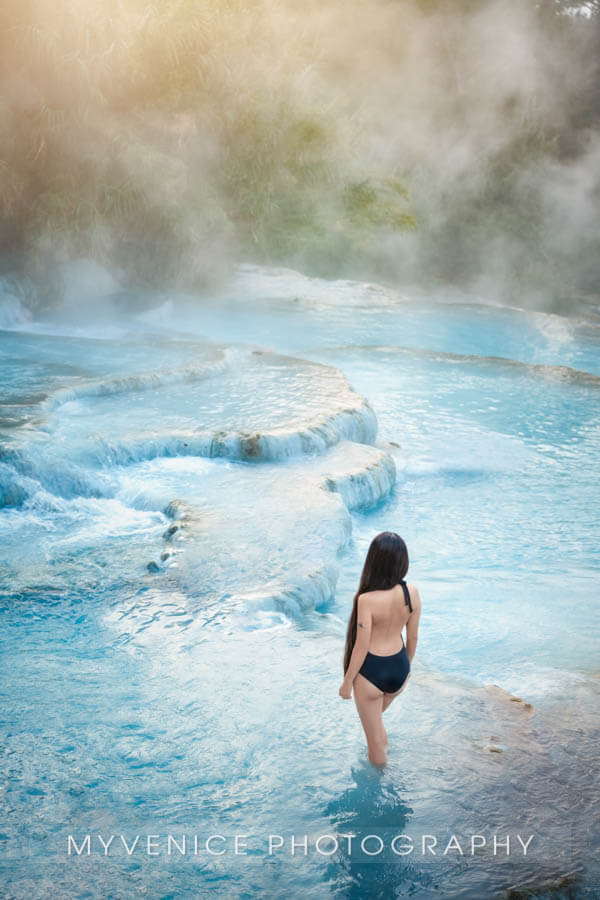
[285, 554]
[250, 406]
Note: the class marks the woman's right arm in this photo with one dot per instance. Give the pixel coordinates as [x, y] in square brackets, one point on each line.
[412, 626]
[364, 620]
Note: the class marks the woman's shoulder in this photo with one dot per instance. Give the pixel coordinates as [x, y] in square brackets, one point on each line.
[415, 597]
[370, 598]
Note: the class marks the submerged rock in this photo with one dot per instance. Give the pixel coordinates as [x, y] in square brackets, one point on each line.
[503, 695]
[175, 509]
[551, 885]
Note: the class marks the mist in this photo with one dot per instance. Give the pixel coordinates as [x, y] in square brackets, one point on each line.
[444, 146]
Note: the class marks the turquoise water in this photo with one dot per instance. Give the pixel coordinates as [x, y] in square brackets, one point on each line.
[188, 495]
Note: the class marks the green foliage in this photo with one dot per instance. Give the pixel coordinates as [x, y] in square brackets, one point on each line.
[377, 203]
[168, 139]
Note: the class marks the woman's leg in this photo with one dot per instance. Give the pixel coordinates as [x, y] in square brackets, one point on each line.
[369, 702]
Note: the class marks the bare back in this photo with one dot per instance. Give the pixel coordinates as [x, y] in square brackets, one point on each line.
[390, 613]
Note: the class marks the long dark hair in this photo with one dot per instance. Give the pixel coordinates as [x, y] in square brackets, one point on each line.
[385, 566]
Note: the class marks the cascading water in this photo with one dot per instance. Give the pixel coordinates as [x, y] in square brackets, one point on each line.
[187, 498]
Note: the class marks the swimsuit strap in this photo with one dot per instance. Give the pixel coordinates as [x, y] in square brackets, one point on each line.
[406, 595]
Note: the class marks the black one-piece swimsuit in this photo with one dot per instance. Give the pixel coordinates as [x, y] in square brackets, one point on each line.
[388, 673]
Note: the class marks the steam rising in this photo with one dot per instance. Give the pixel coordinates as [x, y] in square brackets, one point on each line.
[395, 140]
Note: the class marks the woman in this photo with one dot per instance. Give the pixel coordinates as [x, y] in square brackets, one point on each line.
[376, 659]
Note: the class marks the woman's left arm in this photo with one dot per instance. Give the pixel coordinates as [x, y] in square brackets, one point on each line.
[361, 646]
